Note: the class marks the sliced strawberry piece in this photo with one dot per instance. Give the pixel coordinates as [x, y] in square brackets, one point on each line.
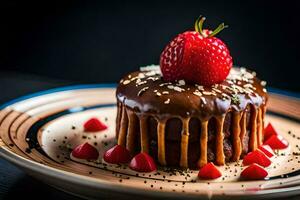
[209, 171]
[117, 155]
[277, 142]
[94, 125]
[266, 149]
[85, 151]
[254, 172]
[257, 157]
[269, 131]
[142, 162]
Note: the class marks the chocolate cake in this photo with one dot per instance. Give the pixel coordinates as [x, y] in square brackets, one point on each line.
[187, 125]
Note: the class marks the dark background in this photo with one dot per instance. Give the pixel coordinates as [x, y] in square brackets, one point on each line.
[46, 44]
[95, 41]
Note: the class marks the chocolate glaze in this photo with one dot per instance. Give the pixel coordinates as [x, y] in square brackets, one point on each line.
[177, 121]
[185, 103]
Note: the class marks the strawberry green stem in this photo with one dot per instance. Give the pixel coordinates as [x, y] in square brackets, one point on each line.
[218, 30]
[199, 24]
[201, 21]
[199, 27]
[196, 25]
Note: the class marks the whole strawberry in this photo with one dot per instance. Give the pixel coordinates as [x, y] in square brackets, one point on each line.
[196, 56]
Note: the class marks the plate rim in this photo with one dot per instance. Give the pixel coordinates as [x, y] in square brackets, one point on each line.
[54, 90]
[108, 186]
[72, 177]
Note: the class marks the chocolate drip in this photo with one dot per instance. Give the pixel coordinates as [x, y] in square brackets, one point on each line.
[132, 131]
[247, 125]
[203, 143]
[243, 125]
[253, 134]
[194, 147]
[144, 134]
[259, 127]
[161, 154]
[123, 127]
[264, 110]
[118, 119]
[220, 157]
[184, 143]
[133, 128]
[236, 131]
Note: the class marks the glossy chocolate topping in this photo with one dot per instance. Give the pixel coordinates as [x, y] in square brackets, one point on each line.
[146, 92]
[188, 125]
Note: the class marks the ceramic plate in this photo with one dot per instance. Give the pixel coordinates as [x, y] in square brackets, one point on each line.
[38, 132]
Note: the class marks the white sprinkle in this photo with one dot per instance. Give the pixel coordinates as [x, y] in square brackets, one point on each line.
[245, 79]
[243, 70]
[200, 87]
[126, 82]
[197, 93]
[132, 79]
[264, 90]
[167, 101]
[142, 90]
[207, 93]
[216, 90]
[230, 82]
[141, 75]
[225, 95]
[224, 87]
[203, 100]
[248, 91]
[155, 91]
[181, 82]
[163, 84]
[263, 83]
[240, 74]
[158, 94]
[248, 85]
[150, 68]
[170, 87]
[150, 73]
[165, 92]
[141, 83]
[153, 78]
[178, 89]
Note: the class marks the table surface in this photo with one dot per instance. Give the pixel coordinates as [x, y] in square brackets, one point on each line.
[13, 181]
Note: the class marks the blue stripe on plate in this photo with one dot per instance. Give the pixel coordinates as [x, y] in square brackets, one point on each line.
[283, 92]
[60, 89]
[110, 85]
